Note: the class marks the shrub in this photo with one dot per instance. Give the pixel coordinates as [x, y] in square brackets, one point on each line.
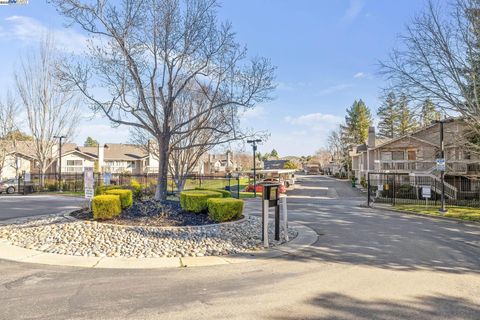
[196, 200]
[221, 210]
[225, 193]
[106, 206]
[363, 182]
[99, 190]
[126, 198]
[136, 189]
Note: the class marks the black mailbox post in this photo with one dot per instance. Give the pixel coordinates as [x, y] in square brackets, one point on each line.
[271, 197]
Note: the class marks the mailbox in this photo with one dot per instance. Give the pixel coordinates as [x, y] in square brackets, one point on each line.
[271, 194]
[271, 198]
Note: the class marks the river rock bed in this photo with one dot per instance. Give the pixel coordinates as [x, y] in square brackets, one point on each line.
[62, 235]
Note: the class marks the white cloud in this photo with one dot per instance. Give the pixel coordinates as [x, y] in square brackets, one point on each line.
[334, 89]
[29, 30]
[359, 75]
[255, 113]
[313, 119]
[353, 11]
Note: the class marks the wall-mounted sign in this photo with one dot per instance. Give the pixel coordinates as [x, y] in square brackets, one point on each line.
[440, 164]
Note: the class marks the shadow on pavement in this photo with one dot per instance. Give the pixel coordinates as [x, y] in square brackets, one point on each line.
[340, 306]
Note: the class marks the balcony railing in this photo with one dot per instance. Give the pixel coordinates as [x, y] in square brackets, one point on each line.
[459, 167]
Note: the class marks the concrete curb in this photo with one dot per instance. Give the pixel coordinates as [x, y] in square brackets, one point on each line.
[465, 222]
[306, 237]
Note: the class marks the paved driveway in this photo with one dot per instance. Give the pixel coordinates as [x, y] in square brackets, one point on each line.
[367, 264]
[16, 206]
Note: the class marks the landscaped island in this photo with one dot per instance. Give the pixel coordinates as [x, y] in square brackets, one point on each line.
[125, 222]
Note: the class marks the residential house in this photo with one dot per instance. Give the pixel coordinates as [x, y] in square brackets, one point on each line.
[416, 154]
[19, 157]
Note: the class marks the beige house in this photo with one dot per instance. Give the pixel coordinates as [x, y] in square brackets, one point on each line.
[110, 157]
[416, 154]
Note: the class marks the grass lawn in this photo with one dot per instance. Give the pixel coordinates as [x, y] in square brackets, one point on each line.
[64, 193]
[245, 195]
[462, 213]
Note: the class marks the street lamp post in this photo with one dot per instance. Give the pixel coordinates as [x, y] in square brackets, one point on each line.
[254, 146]
[443, 209]
[60, 139]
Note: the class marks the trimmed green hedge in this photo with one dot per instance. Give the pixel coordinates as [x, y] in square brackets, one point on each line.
[106, 206]
[196, 200]
[225, 193]
[126, 198]
[224, 209]
[99, 190]
[137, 189]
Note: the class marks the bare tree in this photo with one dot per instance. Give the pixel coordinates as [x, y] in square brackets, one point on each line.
[8, 125]
[153, 52]
[440, 59]
[323, 156]
[52, 109]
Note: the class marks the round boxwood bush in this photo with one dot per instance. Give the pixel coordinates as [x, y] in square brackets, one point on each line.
[196, 200]
[106, 207]
[224, 209]
[126, 197]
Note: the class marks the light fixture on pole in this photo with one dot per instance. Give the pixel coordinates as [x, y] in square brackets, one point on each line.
[254, 146]
[442, 168]
[60, 139]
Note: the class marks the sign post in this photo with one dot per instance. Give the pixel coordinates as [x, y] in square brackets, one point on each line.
[89, 184]
[270, 199]
[426, 193]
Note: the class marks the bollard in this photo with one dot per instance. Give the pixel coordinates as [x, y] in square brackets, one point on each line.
[265, 223]
[284, 217]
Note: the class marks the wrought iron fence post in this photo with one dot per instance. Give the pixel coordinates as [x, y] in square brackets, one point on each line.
[368, 189]
[238, 186]
[394, 189]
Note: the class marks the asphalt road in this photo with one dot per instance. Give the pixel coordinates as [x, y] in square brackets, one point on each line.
[17, 206]
[367, 264]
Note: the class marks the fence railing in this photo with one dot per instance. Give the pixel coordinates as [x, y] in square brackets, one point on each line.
[396, 188]
[74, 182]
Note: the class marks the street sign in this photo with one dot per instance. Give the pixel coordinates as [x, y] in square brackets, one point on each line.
[88, 182]
[440, 164]
[426, 192]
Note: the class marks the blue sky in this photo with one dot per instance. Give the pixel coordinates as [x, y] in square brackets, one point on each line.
[326, 52]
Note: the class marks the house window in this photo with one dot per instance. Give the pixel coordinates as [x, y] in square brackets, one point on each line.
[412, 155]
[74, 163]
[398, 155]
[386, 156]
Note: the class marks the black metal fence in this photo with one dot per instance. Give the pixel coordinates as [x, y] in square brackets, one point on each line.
[426, 189]
[74, 182]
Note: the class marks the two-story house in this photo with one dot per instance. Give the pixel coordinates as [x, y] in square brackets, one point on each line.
[416, 154]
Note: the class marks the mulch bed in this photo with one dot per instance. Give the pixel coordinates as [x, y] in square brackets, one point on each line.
[149, 212]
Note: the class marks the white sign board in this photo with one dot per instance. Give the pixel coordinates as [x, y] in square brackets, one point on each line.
[107, 178]
[440, 164]
[27, 177]
[380, 187]
[89, 182]
[426, 192]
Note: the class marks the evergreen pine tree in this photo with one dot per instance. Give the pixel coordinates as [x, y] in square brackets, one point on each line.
[357, 122]
[406, 119]
[429, 113]
[389, 116]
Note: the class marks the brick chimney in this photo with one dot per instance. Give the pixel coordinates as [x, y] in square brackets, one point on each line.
[371, 137]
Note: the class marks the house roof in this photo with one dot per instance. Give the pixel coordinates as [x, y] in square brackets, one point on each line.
[126, 152]
[25, 148]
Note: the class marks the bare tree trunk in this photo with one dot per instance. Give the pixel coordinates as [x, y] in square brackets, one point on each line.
[162, 181]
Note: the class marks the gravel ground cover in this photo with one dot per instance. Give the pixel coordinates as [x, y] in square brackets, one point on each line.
[148, 212]
[63, 235]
